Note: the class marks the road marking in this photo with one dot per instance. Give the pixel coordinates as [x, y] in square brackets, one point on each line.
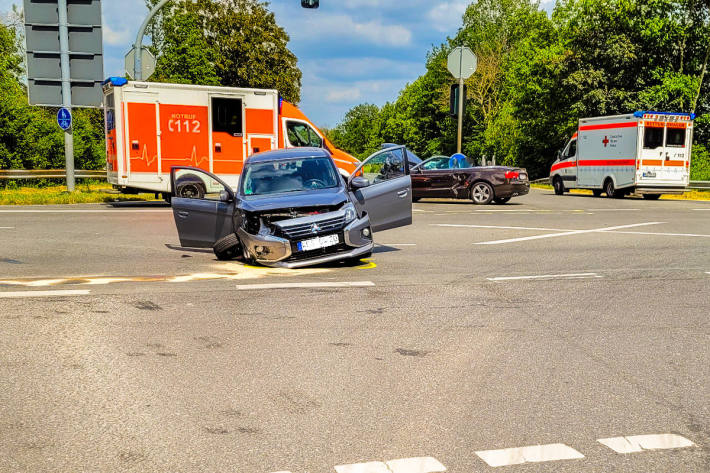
[548, 276]
[403, 465]
[73, 211]
[7, 228]
[639, 443]
[304, 285]
[501, 227]
[574, 232]
[416, 465]
[697, 235]
[532, 454]
[701, 209]
[11, 295]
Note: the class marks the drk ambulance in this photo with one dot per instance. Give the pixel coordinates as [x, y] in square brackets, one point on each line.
[152, 126]
[646, 152]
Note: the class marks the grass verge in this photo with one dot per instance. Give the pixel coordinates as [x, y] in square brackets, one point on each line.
[690, 195]
[84, 194]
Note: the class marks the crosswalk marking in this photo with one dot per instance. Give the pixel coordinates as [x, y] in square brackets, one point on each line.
[402, 465]
[531, 454]
[368, 467]
[639, 443]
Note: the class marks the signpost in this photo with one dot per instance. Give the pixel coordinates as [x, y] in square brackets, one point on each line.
[64, 59]
[462, 64]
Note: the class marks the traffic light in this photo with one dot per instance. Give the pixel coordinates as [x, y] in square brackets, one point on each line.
[454, 99]
[310, 3]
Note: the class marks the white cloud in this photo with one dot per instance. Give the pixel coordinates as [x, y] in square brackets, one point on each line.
[338, 95]
[447, 16]
[115, 37]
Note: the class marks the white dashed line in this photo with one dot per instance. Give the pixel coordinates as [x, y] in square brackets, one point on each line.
[501, 227]
[17, 294]
[533, 454]
[575, 232]
[403, 465]
[548, 276]
[304, 285]
[639, 443]
[7, 228]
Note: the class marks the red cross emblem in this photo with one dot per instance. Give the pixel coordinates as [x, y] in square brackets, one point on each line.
[605, 141]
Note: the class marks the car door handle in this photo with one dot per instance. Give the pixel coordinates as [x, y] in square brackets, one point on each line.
[183, 213]
[403, 194]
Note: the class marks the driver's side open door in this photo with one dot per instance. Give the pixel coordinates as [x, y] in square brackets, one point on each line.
[203, 206]
[388, 197]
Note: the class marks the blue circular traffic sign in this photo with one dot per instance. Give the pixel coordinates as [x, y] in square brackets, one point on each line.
[64, 118]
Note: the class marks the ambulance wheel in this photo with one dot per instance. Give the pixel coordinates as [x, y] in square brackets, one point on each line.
[652, 196]
[227, 248]
[190, 188]
[597, 192]
[482, 193]
[559, 186]
[611, 191]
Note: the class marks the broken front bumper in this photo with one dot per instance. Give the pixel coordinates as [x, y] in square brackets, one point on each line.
[275, 251]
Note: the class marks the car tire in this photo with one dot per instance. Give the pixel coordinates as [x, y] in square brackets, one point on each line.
[501, 200]
[227, 248]
[652, 196]
[190, 190]
[482, 193]
[611, 191]
[559, 186]
[597, 192]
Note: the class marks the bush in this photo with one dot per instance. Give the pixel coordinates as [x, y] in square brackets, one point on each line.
[700, 163]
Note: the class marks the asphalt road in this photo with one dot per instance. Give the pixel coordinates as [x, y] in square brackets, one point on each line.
[549, 321]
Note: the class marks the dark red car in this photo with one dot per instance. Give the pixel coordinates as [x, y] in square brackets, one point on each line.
[442, 177]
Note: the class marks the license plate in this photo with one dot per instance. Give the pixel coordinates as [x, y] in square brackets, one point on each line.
[649, 174]
[318, 242]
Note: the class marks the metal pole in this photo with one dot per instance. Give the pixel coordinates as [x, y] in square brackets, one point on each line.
[461, 100]
[138, 45]
[66, 90]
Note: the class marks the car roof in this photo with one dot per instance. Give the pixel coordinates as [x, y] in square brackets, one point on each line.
[288, 153]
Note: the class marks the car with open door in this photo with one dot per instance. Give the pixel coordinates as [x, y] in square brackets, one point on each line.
[292, 208]
[445, 177]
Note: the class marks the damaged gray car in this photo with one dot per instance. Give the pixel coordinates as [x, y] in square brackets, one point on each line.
[292, 208]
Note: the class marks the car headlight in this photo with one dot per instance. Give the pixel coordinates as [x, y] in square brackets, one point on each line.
[350, 213]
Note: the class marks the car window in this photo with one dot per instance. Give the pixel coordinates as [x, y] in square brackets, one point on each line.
[436, 163]
[293, 175]
[301, 134]
[572, 149]
[384, 166]
[675, 137]
[653, 137]
[194, 184]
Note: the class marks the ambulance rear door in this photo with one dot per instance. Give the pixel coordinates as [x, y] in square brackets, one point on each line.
[665, 154]
[142, 145]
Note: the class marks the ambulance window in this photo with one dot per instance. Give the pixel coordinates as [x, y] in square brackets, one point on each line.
[675, 137]
[227, 116]
[572, 149]
[300, 134]
[653, 137]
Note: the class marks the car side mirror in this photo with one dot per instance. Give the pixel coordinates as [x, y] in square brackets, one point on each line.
[224, 196]
[559, 155]
[359, 183]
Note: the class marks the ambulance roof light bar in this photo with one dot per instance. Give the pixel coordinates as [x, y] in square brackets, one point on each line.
[644, 114]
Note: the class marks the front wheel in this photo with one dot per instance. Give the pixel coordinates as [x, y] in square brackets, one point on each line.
[652, 196]
[227, 248]
[501, 200]
[559, 186]
[482, 193]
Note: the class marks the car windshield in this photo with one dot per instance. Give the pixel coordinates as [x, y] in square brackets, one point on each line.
[293, 175]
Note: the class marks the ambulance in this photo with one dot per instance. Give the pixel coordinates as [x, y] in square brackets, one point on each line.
[153, 126]
[646, 153]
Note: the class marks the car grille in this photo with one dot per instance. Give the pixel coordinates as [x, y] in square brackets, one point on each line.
[301, 255]
[303, 231]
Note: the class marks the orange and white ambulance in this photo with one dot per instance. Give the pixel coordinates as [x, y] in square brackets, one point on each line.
[646, 152]
[153, 126]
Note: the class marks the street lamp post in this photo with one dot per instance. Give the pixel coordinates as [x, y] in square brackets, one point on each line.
[138, 46]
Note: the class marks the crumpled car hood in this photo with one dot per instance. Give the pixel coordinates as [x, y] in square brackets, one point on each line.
[324, 197]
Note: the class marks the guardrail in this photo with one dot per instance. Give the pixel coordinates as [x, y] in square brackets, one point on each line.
[50, 174]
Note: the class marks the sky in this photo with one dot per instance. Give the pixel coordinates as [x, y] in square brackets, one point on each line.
[350, 51]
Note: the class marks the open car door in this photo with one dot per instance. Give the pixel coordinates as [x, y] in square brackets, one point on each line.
[388, 197]
[203, 206]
